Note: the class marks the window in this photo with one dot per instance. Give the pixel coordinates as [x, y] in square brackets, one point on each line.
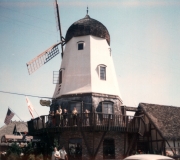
[108, 148]
[107, 108]
[75, 148]
[60, 76]
[80, 46]
[102, 72]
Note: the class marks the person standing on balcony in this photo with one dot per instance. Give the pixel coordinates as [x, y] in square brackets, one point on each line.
[65, 117]
[58, 116]
[75, 112]
[86, 117]
[49, 122]
[52, 118]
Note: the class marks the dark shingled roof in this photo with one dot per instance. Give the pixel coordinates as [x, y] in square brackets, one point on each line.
[8, 129]
[165, 118]
[87, 26]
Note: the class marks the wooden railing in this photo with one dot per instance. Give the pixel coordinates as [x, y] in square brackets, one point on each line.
[84, 121]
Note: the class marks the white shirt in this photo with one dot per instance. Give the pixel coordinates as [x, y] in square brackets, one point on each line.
[62, 153]
[53, 155]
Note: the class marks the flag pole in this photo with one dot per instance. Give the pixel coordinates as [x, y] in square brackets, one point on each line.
[32, 107]
[37, 113]
[15, 114]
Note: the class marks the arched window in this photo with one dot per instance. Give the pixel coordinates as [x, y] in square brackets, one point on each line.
[105, 107]
[102, 71]
[108, 148]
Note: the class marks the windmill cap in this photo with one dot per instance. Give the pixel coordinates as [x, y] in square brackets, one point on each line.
[87, 26]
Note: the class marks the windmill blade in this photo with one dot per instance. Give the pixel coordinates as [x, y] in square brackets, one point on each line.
[59, 26]
[43, 58]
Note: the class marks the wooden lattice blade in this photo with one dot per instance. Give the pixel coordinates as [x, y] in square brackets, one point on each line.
[43, 58]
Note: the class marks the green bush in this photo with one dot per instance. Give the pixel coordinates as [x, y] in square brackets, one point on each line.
[14, 149]
[29, 149]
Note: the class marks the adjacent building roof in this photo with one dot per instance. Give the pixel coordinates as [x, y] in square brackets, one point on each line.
[87, 26]
[165, 118]
[13, 126]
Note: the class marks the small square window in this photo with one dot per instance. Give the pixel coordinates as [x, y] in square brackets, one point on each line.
[80, 46]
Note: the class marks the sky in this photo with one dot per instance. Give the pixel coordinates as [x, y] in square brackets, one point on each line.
[145, 44]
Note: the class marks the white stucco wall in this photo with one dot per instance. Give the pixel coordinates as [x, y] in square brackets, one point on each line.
[80, 73]
[100, 54]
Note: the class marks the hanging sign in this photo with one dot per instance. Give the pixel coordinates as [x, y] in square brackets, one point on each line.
[45, 102]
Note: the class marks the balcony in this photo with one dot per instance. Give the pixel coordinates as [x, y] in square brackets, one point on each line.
[84, 122]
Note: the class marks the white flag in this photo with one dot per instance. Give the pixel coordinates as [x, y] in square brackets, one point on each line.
[30, 107]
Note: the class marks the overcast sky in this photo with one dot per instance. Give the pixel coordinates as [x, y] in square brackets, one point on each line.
[145, 43]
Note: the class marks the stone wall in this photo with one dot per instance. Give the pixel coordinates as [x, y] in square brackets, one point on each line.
[117, 136]
[90, 101]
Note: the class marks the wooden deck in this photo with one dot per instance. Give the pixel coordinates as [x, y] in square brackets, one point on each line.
[84, 122]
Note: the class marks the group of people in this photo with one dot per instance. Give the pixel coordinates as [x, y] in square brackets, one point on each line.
[60, 118]
[59, 155]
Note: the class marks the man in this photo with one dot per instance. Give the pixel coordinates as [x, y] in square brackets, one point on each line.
[63, 154]
[75, 112]
[58, 116]
[65, 117]
[55, 154]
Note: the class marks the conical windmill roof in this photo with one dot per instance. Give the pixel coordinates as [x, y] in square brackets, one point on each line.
[87, 26]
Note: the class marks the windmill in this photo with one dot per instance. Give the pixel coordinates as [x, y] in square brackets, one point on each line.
[49, 53]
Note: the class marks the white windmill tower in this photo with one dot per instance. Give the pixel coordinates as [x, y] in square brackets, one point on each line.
[87, 76]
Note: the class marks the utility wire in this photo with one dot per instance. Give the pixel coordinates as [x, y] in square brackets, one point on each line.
[28, 24]
[25, 14]
[21, 94]
[62, 100]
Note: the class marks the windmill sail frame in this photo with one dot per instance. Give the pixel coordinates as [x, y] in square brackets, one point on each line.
[59, 26]
[43, 58]
[50, 53]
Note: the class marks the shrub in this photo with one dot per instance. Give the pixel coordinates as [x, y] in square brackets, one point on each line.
[14, 149]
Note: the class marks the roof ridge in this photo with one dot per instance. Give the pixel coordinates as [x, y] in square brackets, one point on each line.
[159, 105]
